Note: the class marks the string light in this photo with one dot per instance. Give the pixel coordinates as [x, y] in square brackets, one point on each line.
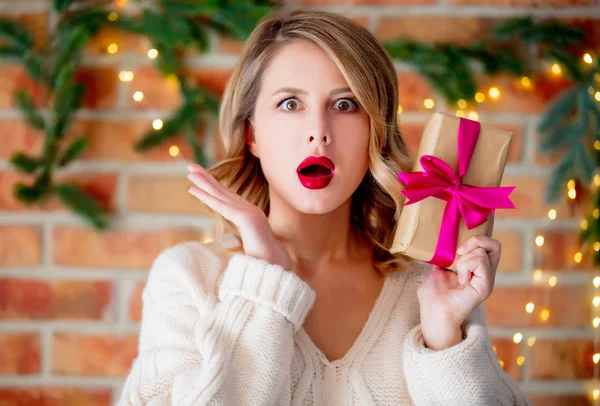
[539, 240]
[537, 275]
[552, 214]
[113, 16]
[596, 213]
[460, 113]
[597, 145]
[126, 76]
[587, 58]
[152, 54]
[494, 93]
[520, 360]
[208, 240]
[501, 364]
[545, 314]
[399, 109]
[597, 96]
[531, 341]
[526, 82]
[174, 150]
[572, 194]
[597, 281]
[517, 338]
[552, 281]
[157, 124]
[112, 49]
[596, 301]
[571, 184]
[138, 96]
[596, 322]
[479, 97]
[473, 115]
[428, 103]
[556, 69]
[597, 246]
[529, 307]
[577, 257]
[462, 104]
[596, 176]
[596, 393]
[120, 3]
[583, 224]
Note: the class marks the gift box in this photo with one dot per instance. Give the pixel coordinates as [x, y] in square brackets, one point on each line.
[453, 188]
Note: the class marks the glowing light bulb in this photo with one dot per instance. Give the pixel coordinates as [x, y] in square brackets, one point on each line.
[552, 281]
[552, 214]
[587, 58]
[479, 97]
[501, 364]
[126, 76]
[473, 115]
[596, 393]
[174, 150]
[152, 54]
[517, 338]
[529, 307]
[556, 69]
[545, 315]
[596, 358]
[399, 109]
[596, 322]
[208, 240]
[138, 96]
[596, 213]
[597, 281]
[112, 49]
[520, 360]
[583, 224]
[572, 194]
[577, 257]
[539, 240]
[537, 275]
[571, 184]
[157, 124]
[462, 104]
[113, 16]
[596, 301]
[428, 103]
[494, 93]
[597, 176]
[597, 246]
[597, 96]
[526, 82]
[531, 341]
[597, 145]
[460, 113]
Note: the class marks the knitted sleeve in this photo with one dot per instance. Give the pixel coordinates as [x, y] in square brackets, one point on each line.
[468, 373]
[233, 351]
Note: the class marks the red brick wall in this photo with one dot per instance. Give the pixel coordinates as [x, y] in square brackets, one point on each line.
[70, 297]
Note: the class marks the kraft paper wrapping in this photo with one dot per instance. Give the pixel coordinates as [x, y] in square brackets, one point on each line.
[419, 224]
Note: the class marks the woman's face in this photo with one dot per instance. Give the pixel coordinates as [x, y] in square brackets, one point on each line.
[306, 108]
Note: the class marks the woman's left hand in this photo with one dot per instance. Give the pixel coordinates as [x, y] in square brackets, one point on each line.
[447, 298]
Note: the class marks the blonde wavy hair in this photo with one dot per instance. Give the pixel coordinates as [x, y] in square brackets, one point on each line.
[370, 73]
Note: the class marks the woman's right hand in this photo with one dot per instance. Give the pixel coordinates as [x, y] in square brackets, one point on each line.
[258, 238]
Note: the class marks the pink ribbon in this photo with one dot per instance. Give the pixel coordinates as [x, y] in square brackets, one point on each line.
[471, 203]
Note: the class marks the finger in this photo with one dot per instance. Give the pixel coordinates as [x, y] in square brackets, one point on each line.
[218, 205]
[479, 241]
[206, 182]
[477, 265]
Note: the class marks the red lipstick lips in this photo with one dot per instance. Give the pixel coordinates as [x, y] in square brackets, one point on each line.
[315, 172]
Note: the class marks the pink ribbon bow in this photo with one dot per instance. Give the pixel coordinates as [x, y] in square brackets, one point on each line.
[471, 203]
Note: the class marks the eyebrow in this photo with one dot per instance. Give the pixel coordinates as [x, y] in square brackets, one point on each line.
[302, 91]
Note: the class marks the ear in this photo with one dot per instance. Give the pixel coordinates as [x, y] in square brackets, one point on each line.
[250, 139]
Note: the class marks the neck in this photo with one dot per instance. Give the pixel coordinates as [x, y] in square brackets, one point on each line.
[317, 243]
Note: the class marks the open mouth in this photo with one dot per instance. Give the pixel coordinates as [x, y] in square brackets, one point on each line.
[315, 171]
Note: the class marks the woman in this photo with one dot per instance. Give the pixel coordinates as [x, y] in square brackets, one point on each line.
[299, 301]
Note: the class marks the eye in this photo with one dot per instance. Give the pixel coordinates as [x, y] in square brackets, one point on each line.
[289, 103]
[346, 104]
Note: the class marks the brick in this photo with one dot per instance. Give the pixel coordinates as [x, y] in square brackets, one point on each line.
[412, 90]
[560, 400]
[528, 199]
[508, 352]
[558, 359]
[19, 354]
[516, 99]
[20, 396]
[366, 2]
[511, 258]
[35, 23]
[559, 249]
[16, 136]
[13, 77]
[100, 86]
[100, 186]
[29, 299]
[135, 302]
[136, 249]
[523, 3]
[411, 134]
[127, 43]
[114, 141]
[457, 30]
[162, 194]
[20, 245]
[93, 355]
[570, 306]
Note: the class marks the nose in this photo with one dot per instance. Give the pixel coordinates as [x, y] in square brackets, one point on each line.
[323, 138]
[319, 129]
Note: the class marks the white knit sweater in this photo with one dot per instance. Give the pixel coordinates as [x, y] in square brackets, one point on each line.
[227, 330]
